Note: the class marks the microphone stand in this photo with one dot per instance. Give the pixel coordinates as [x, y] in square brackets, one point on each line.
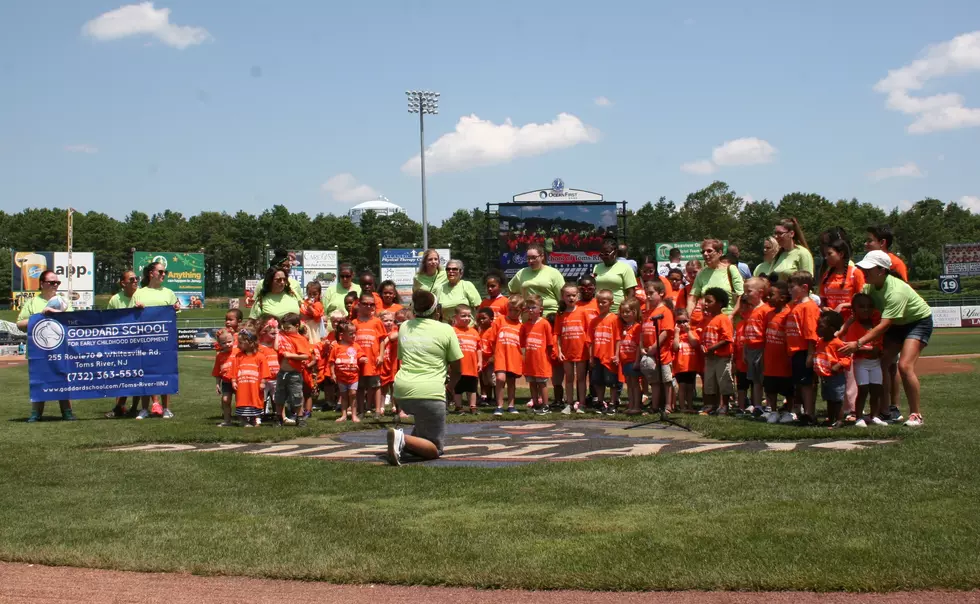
[663, 418]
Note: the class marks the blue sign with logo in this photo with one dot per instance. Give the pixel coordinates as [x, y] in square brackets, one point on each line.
[103, 353]
[949, 284]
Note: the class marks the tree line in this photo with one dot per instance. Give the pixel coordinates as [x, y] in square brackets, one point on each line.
[235, 244]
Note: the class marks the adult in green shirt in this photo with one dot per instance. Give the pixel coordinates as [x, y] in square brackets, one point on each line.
[905, 327]
[426, 349]
[153, 293]
[39, 304]
[538, 278]
[769, 250]
[128, 283]
[275, 297]
[793, 254]
[430, 276]
[456, 291]
[716, 273]
[618, 277]
[282, 259]
[333, 298]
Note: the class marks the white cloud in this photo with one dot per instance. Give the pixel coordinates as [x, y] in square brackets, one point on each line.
[345, 189]
[906, 169]
[738, 152]
[603, 102]
[89, 149]
[970, 202]
[905, 205]
[748, 199]
[939, 111]
[143, 19]
[476, 142]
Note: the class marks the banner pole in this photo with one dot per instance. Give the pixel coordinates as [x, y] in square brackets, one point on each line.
[71, 265]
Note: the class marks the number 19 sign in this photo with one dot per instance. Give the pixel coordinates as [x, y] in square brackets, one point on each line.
[103, 353]
[949, 284]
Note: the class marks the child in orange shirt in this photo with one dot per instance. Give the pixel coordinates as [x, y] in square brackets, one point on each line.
[717, 341]
[469, 343]
[250, 371]
[372, 337]
[679, 294]
[294, 355]
[223, 365]
[495, 301]
[327, 385]
[484, 321]
[346, 362]
[536, 340]
[688, 359]
[629, 346]
[653, 349]
[268, 327]
[389, 298]
[587, 298]
[504, 338]
[603, 340]
[756, 292]
[389, 364]
[311, 310]
[831, 366]
[867, 362]
[801, 342]
[777, 369]
[570, 345]
[742, 382]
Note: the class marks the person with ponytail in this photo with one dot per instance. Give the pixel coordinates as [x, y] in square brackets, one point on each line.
[794, 254]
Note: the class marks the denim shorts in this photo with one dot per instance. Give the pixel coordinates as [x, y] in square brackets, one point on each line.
[630, 371]
[917, 330]
[602, 376]
[802, 375]
[834, 388]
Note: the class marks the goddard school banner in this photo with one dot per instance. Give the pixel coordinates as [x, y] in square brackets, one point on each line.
[185, 274]
[102, 353]
[28, 266]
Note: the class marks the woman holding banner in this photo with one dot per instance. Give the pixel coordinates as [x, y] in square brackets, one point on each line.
[539, 278]
[275, 297]
[430, 276]
[128, 283]
[153, 293]
[46, 301]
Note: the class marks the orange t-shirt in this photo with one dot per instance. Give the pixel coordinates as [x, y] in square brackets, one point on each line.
[498, 304]
[395, 307]
[536, 338]
[898, 265]
[378, 303]
[629, 343]
[688, 357]
[345, 360]
[837, 289]
[250, 372]
[505, 338]
[775, 360]
[323, 354]
[311, 311]
[271, 359]
[571, 332]
[827, 355]
[469, 342]
[293, 343]
[801, 326]
[680, 297]
[368, 336]
[855, 332]
[223, 364]
[603, 335]
[755, 327]
[719, 329]
[591, 310]
[649, 331]
[390, 363]
[738, 346]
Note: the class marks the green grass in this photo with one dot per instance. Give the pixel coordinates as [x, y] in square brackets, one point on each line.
[965, 340]
[894, 517]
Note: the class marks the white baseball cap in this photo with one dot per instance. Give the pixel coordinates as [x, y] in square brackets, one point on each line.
[876, 259]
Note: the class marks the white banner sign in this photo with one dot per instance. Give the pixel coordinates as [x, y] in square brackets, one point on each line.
[946, 316]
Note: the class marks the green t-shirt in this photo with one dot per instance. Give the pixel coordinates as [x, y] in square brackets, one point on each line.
[276, 305]
[763, 269]
[34, 306]
[618, 278]
[898, 301]
[297, 288]
[450, 297]
[797, 259]
[709, 277]
[427, 283]
[333, 298]
[425, 349]
[120, 300]
[151, 296]
[545, 282]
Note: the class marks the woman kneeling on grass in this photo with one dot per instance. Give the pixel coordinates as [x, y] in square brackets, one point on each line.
[426, 349]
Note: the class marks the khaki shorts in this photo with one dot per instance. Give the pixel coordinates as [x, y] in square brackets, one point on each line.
[718, 376]
[648, 367]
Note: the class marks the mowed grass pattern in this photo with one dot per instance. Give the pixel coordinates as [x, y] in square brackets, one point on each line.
[900, 516]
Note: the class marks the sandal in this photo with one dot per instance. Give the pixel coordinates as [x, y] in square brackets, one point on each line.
[473, 410]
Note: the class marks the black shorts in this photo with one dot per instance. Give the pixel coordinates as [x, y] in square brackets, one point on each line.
[226, 387]
[742, 381]
[802, 375]
[369, 381]
[688, 377]
[467, 384]
[779, 385]
[602, 376]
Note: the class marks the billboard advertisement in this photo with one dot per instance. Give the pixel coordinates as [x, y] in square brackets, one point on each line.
[690, 250]
[946, 316]
[312, 265]
[962, 259]
[28, 266]
[251, 288]
[185, 274]
[571, 234]
[401, 264]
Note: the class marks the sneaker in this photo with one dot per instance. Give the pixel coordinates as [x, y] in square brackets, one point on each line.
[396, 444]
[722, 411]
[225, 424]
[143, 414]
[772, 417]
[877, 421]
[578, 409]
[512, 410]
[68, 416]
[258, 421]
[498, 411]
[34, 418]
[288, 421]
[301, 423]
[787, 417]
[915, 420]
[168, 414]
[895, 415]
[542, 411]
[156, 409]
[862, 424]
[387, 401]
[566, 410]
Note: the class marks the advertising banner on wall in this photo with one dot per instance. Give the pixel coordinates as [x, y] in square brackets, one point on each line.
[962, 259]
[185, 274]
[251, 288]
[970, 316]
[28, 267]
[946, 316]
[307, 266]
[401, 264]
[570, 233]
[690, 250]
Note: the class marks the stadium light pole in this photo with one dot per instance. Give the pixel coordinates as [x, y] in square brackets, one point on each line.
[422, 102]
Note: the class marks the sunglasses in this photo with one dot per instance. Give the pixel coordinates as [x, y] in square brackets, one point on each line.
[347, 276]
[55, 283]
[452, 270]
[530, 257]
[367, 304]
[280, 280]
[132, 280]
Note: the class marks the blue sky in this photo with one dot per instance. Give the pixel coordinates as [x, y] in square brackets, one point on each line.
[242, 105]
